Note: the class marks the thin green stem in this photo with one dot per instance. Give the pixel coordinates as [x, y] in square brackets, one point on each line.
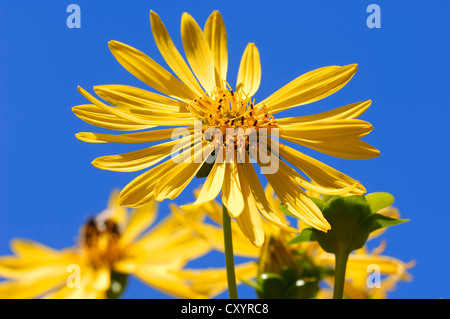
[229, 256]
[341, 256]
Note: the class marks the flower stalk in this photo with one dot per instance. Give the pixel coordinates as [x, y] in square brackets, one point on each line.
[341, 258]
[229, 255]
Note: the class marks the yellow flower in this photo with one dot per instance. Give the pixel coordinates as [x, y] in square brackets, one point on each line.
[276, 254]
[199, 99]
[111, 245]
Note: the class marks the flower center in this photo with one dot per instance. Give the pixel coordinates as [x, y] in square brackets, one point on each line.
[100, 242]
[226, 110]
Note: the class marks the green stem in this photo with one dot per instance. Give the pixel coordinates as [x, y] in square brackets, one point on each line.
[229, 256]
[341, 256]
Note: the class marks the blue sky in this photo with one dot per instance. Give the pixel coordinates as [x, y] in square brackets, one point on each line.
[49, 187]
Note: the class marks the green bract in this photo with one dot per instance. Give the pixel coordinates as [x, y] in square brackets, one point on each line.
[352, 219]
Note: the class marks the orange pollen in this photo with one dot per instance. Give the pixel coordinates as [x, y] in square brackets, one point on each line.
[100, 242]
[225, 109]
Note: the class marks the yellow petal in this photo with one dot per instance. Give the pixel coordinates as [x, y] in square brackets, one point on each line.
[101, 118]
[129, 97]
[250, 222]
[346, 112]
[30, 289]
[139, 137]
[212, 186]
[232, 196]
[141, 218]
[137, 160]
[118, 213]
[249, 75]
[150, 72]
[198, 52]
[32, 250]
[140, 190]
[310, 87]
[260, 198]
[163, 280]
[172, 55]
[216, 35]
[302, 182]
[296, 201]
[102, 279]
[319, 172]
[119, 113]
[175, 181]
[212, 282]
[327, 130]
[348, 148]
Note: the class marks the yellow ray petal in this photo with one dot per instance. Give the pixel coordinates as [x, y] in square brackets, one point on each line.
[166, 282]
[198, 52]
[327, 130]
[119, 214]
[319, 172]
[101, 280]
[141, 218]
[101, 118]
[119, 113]
[216, 35]
[249, 75]
[346, 112]
[231, 191]
[139, 137]
[137, 160]
[302, 182]
[260, 199]
[212, 186]
[172, 55]
[250, 221]
[212, 282]
[296, 201]
[128, 97]
[348, 148]
[30, 289]
[176, 180]
[310, 87]
[150, 72]
[32, 250]
[140, 190]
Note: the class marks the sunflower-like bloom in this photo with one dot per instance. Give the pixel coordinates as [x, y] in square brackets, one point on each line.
[276, 255]
[112, 245]
[218, 120]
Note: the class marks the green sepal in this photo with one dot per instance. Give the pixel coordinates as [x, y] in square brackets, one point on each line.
[287, 285]
[378, 201]
[118, 284]
[306, 235]
[377, 221]
[345, 215]
[271, 285]
[352, 219]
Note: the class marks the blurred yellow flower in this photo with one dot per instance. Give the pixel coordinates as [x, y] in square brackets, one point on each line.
[204, 96]
[111, 246]
[275, 254]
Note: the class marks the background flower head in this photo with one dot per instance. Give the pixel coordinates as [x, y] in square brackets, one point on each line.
[111, 246]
